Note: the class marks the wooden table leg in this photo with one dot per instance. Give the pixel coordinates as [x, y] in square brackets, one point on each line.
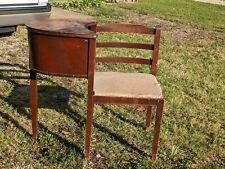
[34, 103]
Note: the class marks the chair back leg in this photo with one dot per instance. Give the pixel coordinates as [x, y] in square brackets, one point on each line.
[148, 118]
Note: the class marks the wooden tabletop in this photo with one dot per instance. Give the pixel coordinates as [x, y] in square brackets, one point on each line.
[63, 27]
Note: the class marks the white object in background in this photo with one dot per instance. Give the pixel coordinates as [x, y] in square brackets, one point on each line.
[4, 2]
[19, 12]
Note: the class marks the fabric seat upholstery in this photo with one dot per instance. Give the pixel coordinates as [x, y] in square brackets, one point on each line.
[129, 85]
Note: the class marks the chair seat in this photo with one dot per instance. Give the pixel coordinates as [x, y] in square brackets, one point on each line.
[129, 85]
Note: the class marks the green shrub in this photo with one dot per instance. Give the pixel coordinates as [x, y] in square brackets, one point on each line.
[81, 4]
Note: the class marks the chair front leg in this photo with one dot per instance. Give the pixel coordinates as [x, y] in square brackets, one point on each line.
[148, 118]
[89, 121]
[34, 104]
[158, 119]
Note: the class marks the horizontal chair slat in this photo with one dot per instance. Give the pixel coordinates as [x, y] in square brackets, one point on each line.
[125, 28]
[125, 45]
[121, 100]
[123, 60]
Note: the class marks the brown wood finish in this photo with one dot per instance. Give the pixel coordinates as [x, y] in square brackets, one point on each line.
[148, 118]
[124, 100]
[62, 48]
[123, 60]
[125, 45]
[125, 28]
[34, 103]
[148, 102]
[128, 28]
[90, 104]
[158, 119]
[155, 51]
[62, 27]
[50, 53]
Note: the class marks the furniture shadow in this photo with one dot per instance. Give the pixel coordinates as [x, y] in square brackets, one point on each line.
[57, 98]
[122, 118]
[49, 97]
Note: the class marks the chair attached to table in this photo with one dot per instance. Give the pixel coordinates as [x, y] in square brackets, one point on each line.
[127, 88]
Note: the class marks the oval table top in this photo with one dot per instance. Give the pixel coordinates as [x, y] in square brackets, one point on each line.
[63, 27]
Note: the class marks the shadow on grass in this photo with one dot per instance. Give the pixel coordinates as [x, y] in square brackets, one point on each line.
[77, 118]
[47, 99]
[57, 98]
[15, 122]
[126, 120]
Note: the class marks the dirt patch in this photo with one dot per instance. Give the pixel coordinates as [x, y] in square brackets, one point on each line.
[218, 2]
[58, 13]
[171, 30]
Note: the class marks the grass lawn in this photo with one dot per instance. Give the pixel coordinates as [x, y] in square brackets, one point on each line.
[191, 71]
[198, 14]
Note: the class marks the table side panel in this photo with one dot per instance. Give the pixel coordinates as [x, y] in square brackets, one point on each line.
[63, 56]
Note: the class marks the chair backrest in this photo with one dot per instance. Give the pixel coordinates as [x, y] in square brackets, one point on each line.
[135, 29]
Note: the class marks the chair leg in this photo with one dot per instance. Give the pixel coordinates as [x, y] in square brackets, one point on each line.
[34, 104]
[158, 120]
[148, 118]
[88, 128]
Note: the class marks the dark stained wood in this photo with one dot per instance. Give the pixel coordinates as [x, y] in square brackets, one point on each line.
[129, 28]
[62, 27]
[158, 119]
[62, 56]
[156, 51]
[125, 28]
[34, 103]
[62, 48]
[125, 45]
[149, 102]
[148, 118]
[123, 60]
[90, 105]
[123, 100]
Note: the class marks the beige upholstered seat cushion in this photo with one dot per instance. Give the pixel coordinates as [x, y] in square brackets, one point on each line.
[117, 84]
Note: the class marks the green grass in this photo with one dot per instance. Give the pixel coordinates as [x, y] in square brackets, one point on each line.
[191, 72]
[198, 14]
